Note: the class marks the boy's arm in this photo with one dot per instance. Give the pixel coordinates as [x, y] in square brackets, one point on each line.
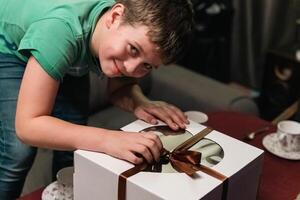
[36, 126]
[127, 94]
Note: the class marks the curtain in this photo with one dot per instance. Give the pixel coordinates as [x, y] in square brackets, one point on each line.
[257, 26]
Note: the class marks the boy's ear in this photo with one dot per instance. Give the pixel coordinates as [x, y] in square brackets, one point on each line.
[115, 15]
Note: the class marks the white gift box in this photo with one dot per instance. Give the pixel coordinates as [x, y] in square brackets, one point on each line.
[96, 175]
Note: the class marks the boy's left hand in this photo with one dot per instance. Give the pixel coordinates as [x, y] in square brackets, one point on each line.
[150, 111]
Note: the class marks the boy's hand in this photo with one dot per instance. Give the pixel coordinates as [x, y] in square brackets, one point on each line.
[131, 98]
[133, 147]
[150, 111]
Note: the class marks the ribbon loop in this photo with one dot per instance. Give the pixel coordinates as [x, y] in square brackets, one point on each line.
[192, 157]
[185, 161]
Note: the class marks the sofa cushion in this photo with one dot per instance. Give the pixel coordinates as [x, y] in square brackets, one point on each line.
[111, 118]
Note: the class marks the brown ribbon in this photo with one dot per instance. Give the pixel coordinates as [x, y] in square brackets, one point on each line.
[181, 159]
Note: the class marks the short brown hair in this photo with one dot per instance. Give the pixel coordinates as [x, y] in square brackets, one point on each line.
[169, 21]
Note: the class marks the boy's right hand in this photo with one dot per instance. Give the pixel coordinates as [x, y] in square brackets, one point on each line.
[133, 147]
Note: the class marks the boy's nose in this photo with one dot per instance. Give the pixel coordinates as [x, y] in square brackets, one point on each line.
[132, 64]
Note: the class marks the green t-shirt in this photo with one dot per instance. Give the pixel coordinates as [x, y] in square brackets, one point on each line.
[56, 32]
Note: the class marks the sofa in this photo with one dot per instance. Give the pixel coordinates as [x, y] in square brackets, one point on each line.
[174, 84]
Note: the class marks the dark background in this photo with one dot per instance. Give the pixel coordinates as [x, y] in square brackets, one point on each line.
[235, 41]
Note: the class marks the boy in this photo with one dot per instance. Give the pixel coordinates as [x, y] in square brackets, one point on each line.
[55, 37]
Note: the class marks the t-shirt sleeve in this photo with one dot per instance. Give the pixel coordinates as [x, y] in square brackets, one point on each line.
[52, 43]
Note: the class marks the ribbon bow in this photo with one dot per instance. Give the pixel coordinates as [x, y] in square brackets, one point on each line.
[182, 161]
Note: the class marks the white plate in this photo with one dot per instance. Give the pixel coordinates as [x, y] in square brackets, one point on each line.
[62, 189]
[272, 144]
[196, 116]
[57, 191]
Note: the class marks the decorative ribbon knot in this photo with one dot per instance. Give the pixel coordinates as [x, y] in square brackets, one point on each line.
[182, 161]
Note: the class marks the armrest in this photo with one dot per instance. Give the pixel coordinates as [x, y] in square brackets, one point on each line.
[192, 91]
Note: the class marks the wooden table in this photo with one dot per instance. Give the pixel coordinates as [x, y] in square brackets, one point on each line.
[36, 195]
[280, 177]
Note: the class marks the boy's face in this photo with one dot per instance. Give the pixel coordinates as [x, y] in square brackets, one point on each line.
[126, 50]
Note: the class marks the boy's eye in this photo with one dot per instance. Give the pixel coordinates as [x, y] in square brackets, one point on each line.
[147, 66]
[133, 50]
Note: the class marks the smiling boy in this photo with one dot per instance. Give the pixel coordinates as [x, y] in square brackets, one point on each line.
[54, 38]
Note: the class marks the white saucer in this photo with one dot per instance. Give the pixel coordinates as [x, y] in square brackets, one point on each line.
[62, 189]
[57, 191]
[271, 143]
[196, 116]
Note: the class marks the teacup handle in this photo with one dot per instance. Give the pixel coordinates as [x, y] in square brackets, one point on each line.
[281, 136]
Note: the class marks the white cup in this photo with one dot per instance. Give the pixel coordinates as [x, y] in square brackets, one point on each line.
[65, 176]
[289, 135]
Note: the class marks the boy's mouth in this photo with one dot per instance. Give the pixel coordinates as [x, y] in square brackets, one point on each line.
[117, 70]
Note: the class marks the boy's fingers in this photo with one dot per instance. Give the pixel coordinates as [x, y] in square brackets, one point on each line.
[142, 114]
[164, 116]
[154, 146]
[175, 117]
[131, 157]
[182, 116]
[155, 138]
[144, 152]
